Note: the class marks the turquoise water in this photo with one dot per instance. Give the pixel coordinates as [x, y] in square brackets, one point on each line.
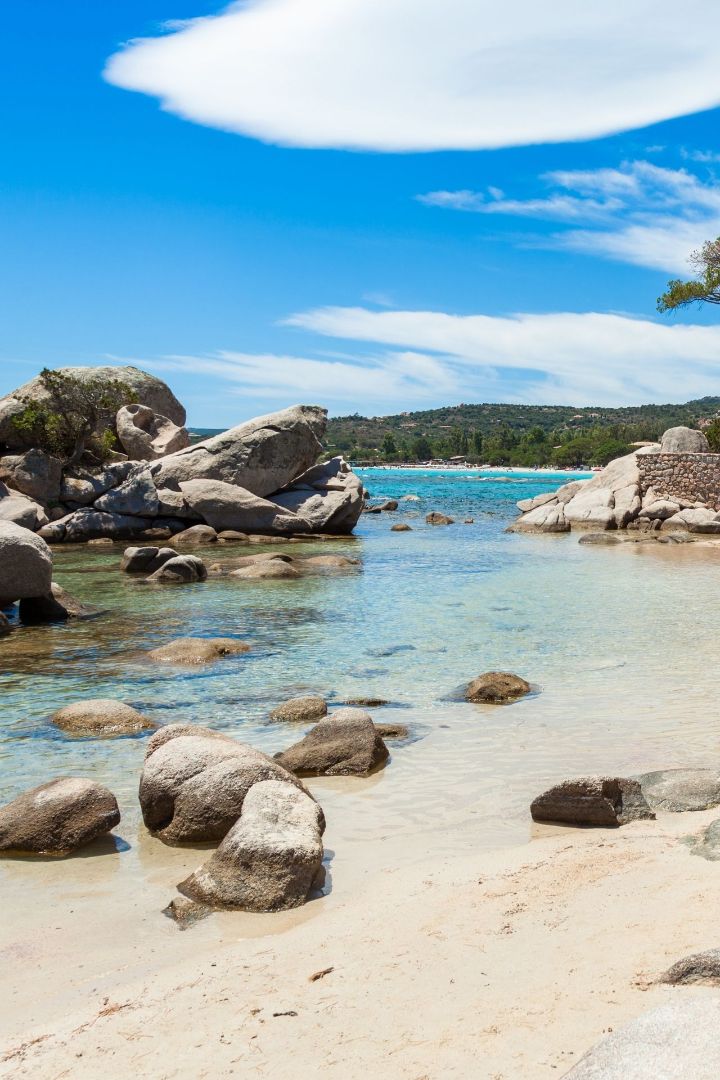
[614, 640]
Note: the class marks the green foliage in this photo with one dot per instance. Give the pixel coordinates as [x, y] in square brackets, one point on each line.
[712, 434]
[703, 289]
[73, 418]
[389, 446]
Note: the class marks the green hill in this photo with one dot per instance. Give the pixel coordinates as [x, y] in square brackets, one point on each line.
[515, 434]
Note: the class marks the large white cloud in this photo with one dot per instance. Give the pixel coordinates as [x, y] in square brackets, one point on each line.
[432, 74]
[387, 361]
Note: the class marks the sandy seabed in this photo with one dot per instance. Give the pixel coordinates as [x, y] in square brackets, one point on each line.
[507, 965]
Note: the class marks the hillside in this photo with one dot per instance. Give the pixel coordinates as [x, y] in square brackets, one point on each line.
[513, 434]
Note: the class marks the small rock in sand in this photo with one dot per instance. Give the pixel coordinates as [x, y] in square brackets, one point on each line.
[701, 968]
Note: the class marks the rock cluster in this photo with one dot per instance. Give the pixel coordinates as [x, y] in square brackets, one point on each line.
[669, 486]
[259, 477]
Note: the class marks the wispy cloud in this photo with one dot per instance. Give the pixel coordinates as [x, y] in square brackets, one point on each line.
[400, 75]
[638, 213]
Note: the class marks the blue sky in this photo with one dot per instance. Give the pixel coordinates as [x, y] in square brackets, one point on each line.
[196, 210]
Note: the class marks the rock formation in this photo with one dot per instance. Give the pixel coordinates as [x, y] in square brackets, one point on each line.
[592, 800]
[344, 744]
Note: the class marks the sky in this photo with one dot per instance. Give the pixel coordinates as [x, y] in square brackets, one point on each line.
[374, 205]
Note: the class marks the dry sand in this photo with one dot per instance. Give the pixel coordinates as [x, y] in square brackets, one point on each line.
[507, 965]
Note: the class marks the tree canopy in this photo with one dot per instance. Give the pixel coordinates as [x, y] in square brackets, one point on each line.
[704, 288]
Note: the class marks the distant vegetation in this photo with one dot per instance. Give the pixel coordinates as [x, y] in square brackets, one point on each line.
[525, 435]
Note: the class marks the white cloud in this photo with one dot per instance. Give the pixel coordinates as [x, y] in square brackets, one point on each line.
[400, 75]
[638, 213]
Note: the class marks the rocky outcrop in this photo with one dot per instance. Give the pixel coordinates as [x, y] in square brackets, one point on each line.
[344, 744]
[145, 435]
[300, 710]
[684, 440]
[34, 473]
[146, 389]
[270, 859]
[225, 506]
[676, 791]
[100, 717]
[197, 650]
[58, 817]
[592, 800]
[496, 688]
[677, 1041]
[25, 564]
[328, 498]
[195, 780]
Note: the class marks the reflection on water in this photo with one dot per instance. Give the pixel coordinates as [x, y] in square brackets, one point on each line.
[617, 640]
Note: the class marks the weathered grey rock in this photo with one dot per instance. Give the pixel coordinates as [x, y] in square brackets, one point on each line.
[270, 858]
[659, 509]
[684, 440]
[678, 790]
[25, 563]
[708, 845]
[186, 912]
[262, 455]
[195, 536]
[436, 518]
[696, 520]
[677, 1041]
[136, 496]
[20, 510]
[145, 388]
[344, 744]
[592, 507]
[82, 487]
[181, 569]
[197, 650]
[145, 435]
[496, 687]
[271, 569]
[592, 800]
[526, 505]
[101, 717]
[300, 710]
[74, 608]
[226, 506]
[58, 817]
[34, 473]
[232, 536]
[329, 497]
[701, 968]
[138, 560]
[90, 524]
[600, 538]
[195, 780]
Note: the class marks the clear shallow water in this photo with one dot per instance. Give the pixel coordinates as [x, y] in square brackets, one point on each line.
[617, 641]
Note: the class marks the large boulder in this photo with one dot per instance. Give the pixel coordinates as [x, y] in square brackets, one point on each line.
[196, 650]
[344, 744]
[25, 564]
[496, 688]
[592, 800]
[697, 519]
[329, 497]
[270, 858]
[137, 496]
[34, 473]
[20, 510]
[226, 506]
[58, 817]
[678, 790]
[146, 389]
[148, 559]
[181, 570]
[261, 456]
[100, 717]
[80, 487]
[684, 440]
[145, 435]
[195, 780]
[677, 1041]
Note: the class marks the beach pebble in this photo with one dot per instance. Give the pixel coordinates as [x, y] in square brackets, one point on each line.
[100, 717]
[58, 817]
[300, 709]
[194, 782]
[344, 744]
[592, 800]
[271, 858]
[197, 650]
[496, 687]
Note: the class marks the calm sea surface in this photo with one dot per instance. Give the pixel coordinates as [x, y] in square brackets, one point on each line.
[618, 642]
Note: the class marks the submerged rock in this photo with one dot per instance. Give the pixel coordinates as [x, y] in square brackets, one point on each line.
[25, 564]
[271, 857]
[701, 967]
[400, 527]
[592, 800]
[57, 606]
[300, 710]
[393, 731]
[145, 560]
[195, 780]
[58, 817]
[196, 650]
[496, 687]
[196, 534]
[678, 790]
[101, 717]
[677, 1041]
[344, 744]
[181, 569]
[436, 518]
[266, 570]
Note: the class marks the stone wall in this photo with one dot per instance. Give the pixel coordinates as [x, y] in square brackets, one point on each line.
[691, 477]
